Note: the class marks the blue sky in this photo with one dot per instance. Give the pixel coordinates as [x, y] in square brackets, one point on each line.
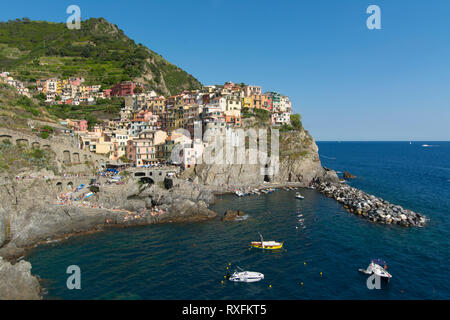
[347, 82]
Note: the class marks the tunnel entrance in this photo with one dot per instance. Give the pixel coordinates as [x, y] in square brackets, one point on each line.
[266, 176]
[147, 180]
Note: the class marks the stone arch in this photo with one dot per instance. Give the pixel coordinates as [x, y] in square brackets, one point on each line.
[66, 156]
[59, 184]
[23, 142]
[70, 184]
[76, 157]
[35, 145]
[147, 180]
[85, 157]
[46, 146]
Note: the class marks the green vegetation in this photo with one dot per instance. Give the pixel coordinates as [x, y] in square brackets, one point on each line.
[103, 109]
[16, 110]
[296, 121]
[262, 115]
[296, 124]
[99, 51]
[245, 113]
[28, 105]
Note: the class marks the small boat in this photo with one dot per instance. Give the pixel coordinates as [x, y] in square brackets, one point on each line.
[239, 193]
[266, 245]
[299, 196]
[245, 276]
[375, 267]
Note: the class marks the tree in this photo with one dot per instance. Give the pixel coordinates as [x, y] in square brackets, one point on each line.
[92, 121]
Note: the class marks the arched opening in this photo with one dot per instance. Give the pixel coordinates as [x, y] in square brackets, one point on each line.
[139, 174]
[76, 157]
[147, 180]
[46, 146]
[22, 142]
[4, 138]
[70, 184]
[35, 145]
[59, 184]
[66, 156]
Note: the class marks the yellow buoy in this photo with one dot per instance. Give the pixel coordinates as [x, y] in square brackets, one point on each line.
[304, 263]
[320, 273]
[224, 277]
[221, 281]
[270, 286]
[301, 283]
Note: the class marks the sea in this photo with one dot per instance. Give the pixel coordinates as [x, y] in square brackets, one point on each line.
[324, 245]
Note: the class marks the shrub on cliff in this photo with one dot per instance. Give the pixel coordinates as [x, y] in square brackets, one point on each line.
[296, 121]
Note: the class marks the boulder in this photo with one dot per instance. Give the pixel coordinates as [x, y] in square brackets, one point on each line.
[232, 215]
[17, 283]
[348, 175]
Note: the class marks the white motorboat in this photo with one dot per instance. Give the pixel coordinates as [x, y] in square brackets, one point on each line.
[239, 193]
[246, 276]
[376, 268]
[299, 196]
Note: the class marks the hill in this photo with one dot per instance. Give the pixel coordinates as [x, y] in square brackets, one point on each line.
[100, 52]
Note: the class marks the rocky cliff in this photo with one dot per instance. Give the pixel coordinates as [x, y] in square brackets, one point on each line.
[298, 162]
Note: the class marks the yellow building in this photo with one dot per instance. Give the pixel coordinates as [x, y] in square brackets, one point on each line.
[247, 102]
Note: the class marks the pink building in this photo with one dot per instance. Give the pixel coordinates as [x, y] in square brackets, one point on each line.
[80, 125]
[229, 85]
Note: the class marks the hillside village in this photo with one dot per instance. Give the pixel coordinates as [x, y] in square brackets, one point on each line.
[144, 134]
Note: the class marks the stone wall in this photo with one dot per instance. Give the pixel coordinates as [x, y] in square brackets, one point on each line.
[65, 152]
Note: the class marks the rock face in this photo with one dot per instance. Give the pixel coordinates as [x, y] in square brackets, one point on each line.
[298, 162]
[370, 207]
[231, 215]
[17, 283]
[28, 215]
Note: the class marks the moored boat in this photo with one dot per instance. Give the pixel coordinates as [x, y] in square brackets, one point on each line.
[266, 245]
[245, 276]
[375, 267]
[299, 196]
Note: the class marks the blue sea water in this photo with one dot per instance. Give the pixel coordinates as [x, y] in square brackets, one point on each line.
[188, 261]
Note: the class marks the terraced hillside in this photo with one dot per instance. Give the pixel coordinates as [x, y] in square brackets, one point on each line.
[100, 52]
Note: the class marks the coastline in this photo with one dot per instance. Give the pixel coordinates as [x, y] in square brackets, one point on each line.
[178, 210]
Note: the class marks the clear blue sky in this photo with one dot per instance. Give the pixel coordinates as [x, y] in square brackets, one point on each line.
[348, 82]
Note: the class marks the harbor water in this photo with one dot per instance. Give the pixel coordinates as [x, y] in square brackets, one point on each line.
[324, 245]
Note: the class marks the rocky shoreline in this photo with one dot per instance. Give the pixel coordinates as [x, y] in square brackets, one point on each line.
[370, 207]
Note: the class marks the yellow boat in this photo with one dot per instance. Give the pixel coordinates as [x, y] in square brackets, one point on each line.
[267, 245]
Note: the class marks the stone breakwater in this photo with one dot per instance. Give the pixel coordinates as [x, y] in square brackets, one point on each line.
[370, 207]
